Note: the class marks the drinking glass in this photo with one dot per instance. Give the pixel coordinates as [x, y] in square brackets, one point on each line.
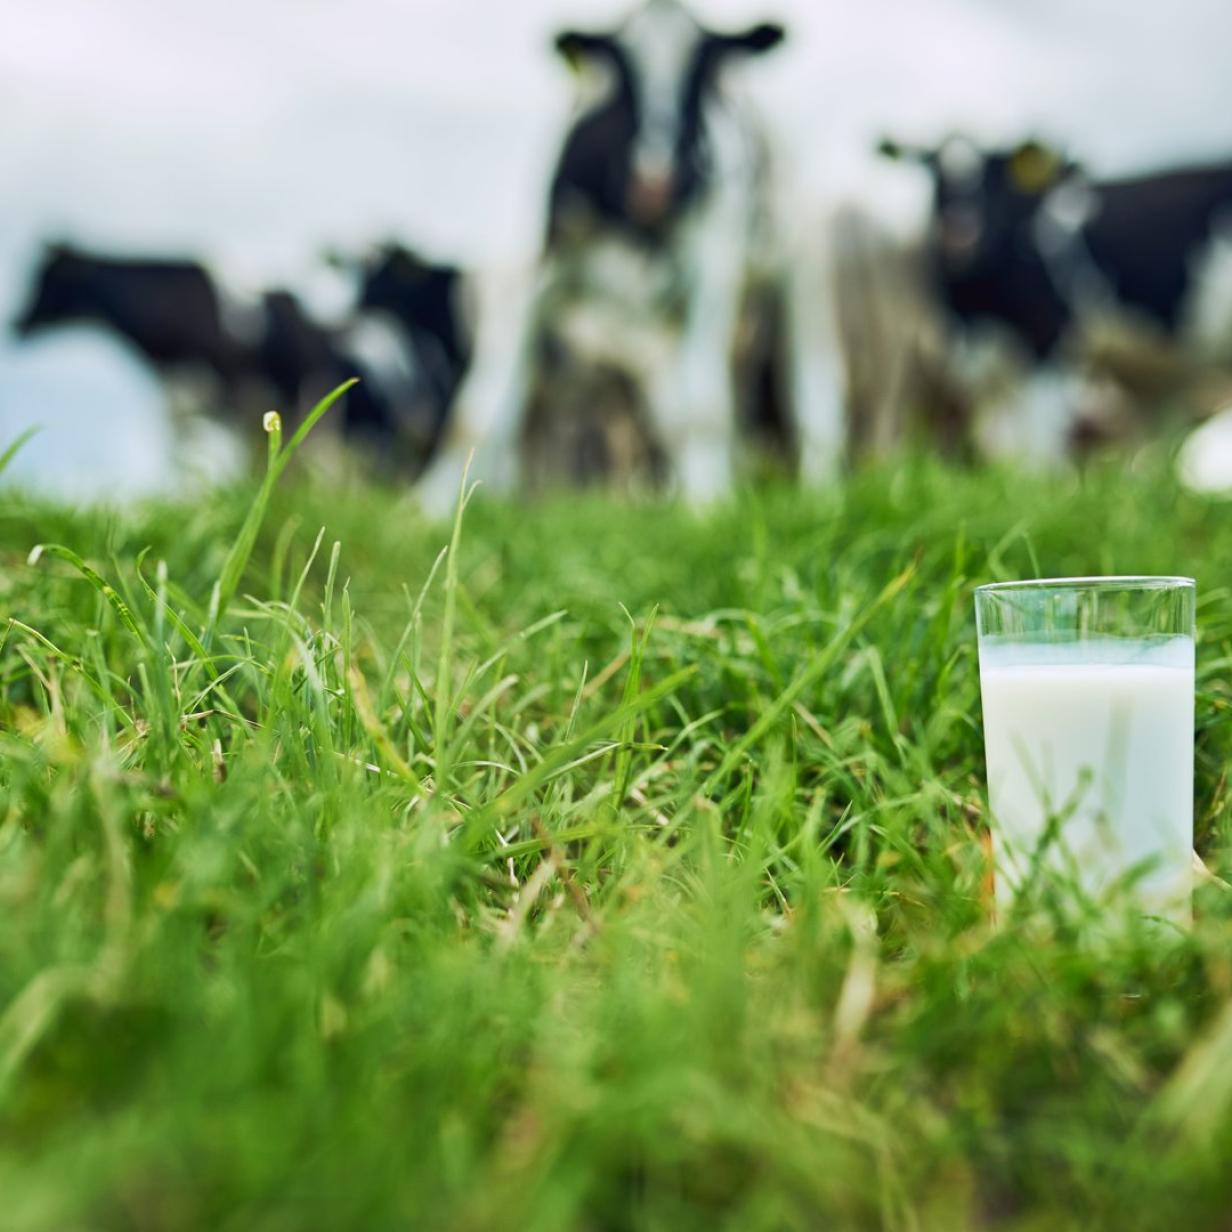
[1088, 694]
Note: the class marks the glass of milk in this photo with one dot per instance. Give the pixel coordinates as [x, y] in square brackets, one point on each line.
[1088, 689]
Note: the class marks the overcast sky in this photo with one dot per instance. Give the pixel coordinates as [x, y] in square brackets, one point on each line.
[258, 133]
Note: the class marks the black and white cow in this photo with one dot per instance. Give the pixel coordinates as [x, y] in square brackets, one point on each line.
[185, 324]
[403, 339]
[659, 217]
[1023, 242]
[989, 237]
[409, 341]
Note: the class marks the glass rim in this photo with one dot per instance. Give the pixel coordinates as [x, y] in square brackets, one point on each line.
[1128, 581]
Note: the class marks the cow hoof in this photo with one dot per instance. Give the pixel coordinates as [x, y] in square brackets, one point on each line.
[1204, 464]
[702, 497]
[819, 468]
[440, 489]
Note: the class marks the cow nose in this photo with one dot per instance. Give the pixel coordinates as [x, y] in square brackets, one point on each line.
[650, 194]
[961, 233]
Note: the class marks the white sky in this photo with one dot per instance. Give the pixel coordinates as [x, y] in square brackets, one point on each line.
[259, 132]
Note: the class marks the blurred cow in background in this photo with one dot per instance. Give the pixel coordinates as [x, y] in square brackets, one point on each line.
[409, 342]
[235, 357]
[899, 388]
[1105, 292]
[660, 227]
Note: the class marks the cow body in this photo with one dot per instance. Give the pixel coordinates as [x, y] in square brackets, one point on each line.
[657, 226]
[893, 341]
[408, 341]
[1152, 238]
[170, 311]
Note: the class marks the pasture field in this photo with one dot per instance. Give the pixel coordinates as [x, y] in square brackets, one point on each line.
[620, 869]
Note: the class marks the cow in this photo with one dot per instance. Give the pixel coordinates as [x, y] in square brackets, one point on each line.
[659, 221]
[1026, 246]
[899, 389]
[409, 338]
[403, 340]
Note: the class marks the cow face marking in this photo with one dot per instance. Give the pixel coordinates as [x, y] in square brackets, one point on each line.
[640, 157]
[985, 203]
[960, 163]
[961, 171]
[664, 48]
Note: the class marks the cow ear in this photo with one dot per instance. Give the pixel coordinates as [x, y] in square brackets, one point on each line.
[577, 45]
[762, 37]
[888, 147]
[753, 41]
[1035, 167]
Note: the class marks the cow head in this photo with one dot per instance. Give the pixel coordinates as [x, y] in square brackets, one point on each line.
[426, 301]
[422, 295]
[55, 291]
[986, 203]
[400, 281]
[643, 154]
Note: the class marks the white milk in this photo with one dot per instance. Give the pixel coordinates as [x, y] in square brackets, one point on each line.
[1100, 735]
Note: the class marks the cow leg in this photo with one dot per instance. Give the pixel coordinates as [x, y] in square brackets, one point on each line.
[484, 425]
[702, 452]
[817, 371]
[692, 401]
[1033, 422]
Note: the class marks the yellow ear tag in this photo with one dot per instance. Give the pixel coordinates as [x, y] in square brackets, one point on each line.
[1034, 167]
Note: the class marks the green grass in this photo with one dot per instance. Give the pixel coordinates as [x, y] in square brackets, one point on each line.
[622, 869]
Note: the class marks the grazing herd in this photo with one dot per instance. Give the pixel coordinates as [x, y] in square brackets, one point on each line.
[684, 310]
